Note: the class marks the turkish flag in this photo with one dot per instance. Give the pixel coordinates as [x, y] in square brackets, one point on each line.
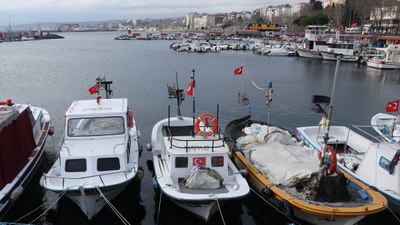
[201, 161]
[238, 71]
[392, 106]
[190, 88]
[94, 89]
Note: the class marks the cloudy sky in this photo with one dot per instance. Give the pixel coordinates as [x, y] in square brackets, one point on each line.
[39, 11]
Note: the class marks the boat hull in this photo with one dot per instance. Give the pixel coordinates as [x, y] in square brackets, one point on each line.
[309, 54]
[379, 64]
[333, 57]
[204, 210]
[15, 189]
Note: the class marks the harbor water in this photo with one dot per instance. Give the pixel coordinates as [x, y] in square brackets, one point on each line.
[53, 73]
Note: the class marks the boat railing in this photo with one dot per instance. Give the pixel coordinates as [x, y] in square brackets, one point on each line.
[61, 144]
[359, 128]
[46, 177]
[187, 145]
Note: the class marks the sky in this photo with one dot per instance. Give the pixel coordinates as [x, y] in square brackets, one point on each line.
[17, 12]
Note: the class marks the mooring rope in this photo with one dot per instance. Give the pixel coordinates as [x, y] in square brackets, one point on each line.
[113, 208]
[390, 210]
[293, 220]
[159, 207]
[220, 212]
[48, 208]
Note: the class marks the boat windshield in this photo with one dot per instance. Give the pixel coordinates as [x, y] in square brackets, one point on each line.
[95, 126]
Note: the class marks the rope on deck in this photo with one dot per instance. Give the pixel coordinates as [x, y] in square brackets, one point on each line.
[220, 211]
[115, 210]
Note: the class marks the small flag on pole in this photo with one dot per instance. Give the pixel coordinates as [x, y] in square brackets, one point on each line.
[94, 89]
[392, 106]
[238, 71]
[190, 88]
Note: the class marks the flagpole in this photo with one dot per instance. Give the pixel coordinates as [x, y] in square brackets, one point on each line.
[178, 99]
[194, 96]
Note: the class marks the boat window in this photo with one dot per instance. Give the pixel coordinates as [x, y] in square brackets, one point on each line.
[181, 162]
[75, 165]
[217, 161]
[105, 164]
[384, 163]
[95, 126]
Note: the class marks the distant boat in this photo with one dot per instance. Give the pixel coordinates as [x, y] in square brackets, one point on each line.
[23, 133]
[314, 41]
[345, 50]
[389, 58]
[99, 153]
[192, 165]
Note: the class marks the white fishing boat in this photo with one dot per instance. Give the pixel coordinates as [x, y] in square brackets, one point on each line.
[345, 50]
[191, 162]
[23, 133]
[387, 58]
[99, 153]
[387, 126]
[314, 41]
[373, 163]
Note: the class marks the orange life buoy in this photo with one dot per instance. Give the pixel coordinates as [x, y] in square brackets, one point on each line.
[130, 117]
[206, 117]
[3, 103]
[332, 159]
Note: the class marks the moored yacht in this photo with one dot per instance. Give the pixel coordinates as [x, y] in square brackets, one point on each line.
[388, 58]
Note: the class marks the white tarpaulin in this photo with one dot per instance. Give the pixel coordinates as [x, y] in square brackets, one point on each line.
[278, 156]
[203, 178]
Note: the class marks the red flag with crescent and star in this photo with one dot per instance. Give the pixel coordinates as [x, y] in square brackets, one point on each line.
[190, 88]
[392, 106]
[201, 161]
[93, 89]
[238, 71]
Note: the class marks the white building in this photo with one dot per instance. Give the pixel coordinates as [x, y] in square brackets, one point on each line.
[296, 9]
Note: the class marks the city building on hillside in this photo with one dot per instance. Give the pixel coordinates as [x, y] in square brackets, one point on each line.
[296, 9]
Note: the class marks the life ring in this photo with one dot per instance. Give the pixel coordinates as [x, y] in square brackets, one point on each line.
[332, 160]
[319, 37]
[206, 117]
[130, 118]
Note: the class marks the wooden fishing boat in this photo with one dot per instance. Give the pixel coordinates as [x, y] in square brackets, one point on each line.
[99, 153]
[287, 175]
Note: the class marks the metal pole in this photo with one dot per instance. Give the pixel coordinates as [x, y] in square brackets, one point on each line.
[178, 99]
[194, 96]
[330, 111]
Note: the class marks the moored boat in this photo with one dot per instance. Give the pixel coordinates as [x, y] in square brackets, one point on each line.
[335, 49]
[23, 133]
[388, 58]
[191, 162]
[387, 126]
[99, 153]
[314, 41]
[286, 174]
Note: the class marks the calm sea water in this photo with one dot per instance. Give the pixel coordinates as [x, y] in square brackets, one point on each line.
[53, 73]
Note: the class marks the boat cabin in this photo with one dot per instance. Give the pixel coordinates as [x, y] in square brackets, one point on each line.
[97, 138]
[185, 151]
